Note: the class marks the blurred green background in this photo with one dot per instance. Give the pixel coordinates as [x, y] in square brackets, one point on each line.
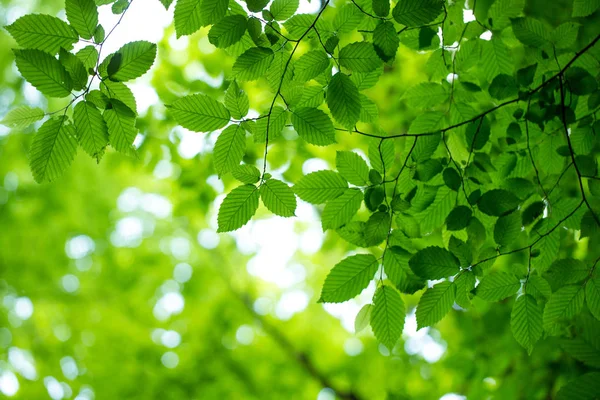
[115, 285]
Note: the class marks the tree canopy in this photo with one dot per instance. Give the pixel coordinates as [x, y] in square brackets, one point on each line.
[357, 199]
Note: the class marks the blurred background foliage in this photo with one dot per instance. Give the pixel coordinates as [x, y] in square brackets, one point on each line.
[115, 285]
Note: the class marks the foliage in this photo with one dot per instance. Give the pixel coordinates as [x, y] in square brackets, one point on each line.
[486, 189]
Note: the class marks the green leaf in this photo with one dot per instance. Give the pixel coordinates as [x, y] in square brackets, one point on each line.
[229, 148]
[228, 31]
[359, 57]
[314, 126]
[119, 91]
[21, 117]
[495, 58]
[565, 35]
[426, 95]
[592, 295]
[283, 9]
[386, 41]
[567, 270]
[199, 113]
[498, 202]
[585, 387]
[188, 17]
[348, 278]
[211, 11]
[352, 167]
[42, 32]
[507, 228]
[386, 158]
[276, 122]
[434, 263]
[120, 120]
[583, 8]
[502, 11]
[236, 101]
[256, 5]
[368, 109]
[88, 56]
[53, 149]
[320, 186]
[91, 129]
[278, 197]
[310, 65]
[580, 81]
[253, 63]
[83, 16]
[427, 122]
[363, 318]
[531, 32]
[387, 316]
[131, 61]
[465, 283]
[237, 208]
[538, 287]
[340, 210]
[44, 72]
[343, 100]
[563, 305]
[166, 3]
[458, 218]
[502, 87]
[353, 232]
[526, 321]
[377, 228]
[381, 8]
[497, 286]
[347, 18]
[414, 13]
[582, 350]
[246, 173]
[75, 69]
[435, 303]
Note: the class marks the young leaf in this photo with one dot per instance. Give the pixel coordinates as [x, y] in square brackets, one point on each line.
[343, 100]
[320, 186]
[387, 316]
[229, 148]
[497, 286]
[283, 9]
[362, 318]
[414, 13]
[434, 263]
[507, 228]
[310, 65]
[340, 210]
[377, 228]
[187, 17]
[386, 41]
[53, 149]
[131, 61]
[22, 116]
[435, 303]
[498, 202]
[592, 296]
[83, 16]
[348, 278]
[199, 113]
[211, 11]
[237, 208]
[246, 173]
[278, 197]
[352, 167]
[563, 305]
[228, 31]
[43, 32]
[44, 72]
[526, 321]
[253, 63]
[120, 121]
[91, 129]
[359, 57]
[236, 101]
[314, 126]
